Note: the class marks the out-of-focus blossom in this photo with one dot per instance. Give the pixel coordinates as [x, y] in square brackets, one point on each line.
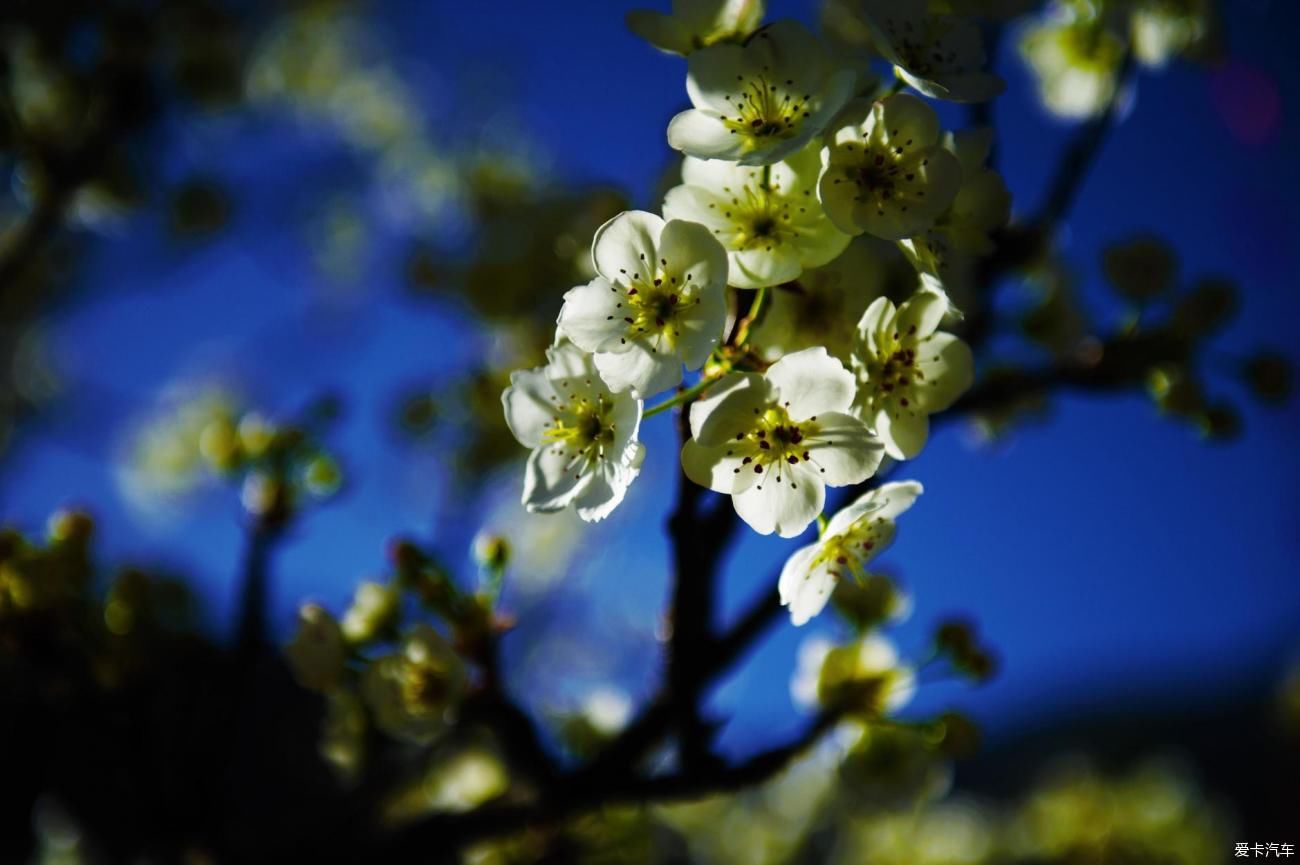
[1076, 62]
[318, 650]
[940, 54]
[373, 612]
[865, 678]
[413, 694]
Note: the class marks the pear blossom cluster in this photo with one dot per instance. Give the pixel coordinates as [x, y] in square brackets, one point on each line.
[791, 157]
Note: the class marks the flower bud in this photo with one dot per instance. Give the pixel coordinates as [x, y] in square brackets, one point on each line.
[317, 652]
[491, 551]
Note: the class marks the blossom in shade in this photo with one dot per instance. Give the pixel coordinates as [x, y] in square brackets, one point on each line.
[759, 102]
[885, 169]
[695, 24]
[907, 369]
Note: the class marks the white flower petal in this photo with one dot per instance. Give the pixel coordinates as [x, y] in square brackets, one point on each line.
[810, 382]
[844, 450]
[664, 32]
[592, 316]
[700, 327]
[785, 499]
[529, 405]
[765, 266]
[866, 339]
[729, 407]
[921, 314]
[639, 369]
[702, 133]
[949, 371]
[714, 468]
[690, 248]
[626, 245]
[552, 480]
[609, 485]
[810, 593]
[885, 502]
[903, 431]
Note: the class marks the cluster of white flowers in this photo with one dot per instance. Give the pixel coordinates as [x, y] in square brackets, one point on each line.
[786, 160]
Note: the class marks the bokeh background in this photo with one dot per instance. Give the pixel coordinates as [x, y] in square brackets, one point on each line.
[289, 250]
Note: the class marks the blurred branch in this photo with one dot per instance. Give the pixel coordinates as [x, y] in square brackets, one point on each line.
[1081, 153]
[582, 793]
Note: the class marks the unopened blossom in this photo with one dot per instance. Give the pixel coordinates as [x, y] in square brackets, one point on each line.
[658, 301]
[768, 219]
[759, 102]
[886, 171]
[982, 206]
[317, 652]
[939, 54]
[865, 677]
[695, 24]
[583, 436]
[907, 369]
[853, 537]
[773, 442]
[413, 694]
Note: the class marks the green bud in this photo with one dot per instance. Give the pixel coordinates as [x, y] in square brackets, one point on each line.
[1269, 376]
[1220, 423]
[1141, 268]
[1205, 309]
[491, 552]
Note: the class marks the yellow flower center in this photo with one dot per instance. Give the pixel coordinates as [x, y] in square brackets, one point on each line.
[654, 302]
[766, 109]
[775, 443]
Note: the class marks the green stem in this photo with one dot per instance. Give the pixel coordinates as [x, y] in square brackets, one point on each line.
[682, 396]
[742, 333]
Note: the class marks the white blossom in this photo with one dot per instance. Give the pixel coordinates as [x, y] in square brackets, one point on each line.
[774, 441]
[939, 54]
[584, 438]
[768, 219]
[1076, 63]
[695, 24]
[907, 369]
[759, 102]
[886, 171]
[853, 537]
[657, 302]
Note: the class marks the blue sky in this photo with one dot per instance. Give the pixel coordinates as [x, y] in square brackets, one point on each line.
[1108, 554]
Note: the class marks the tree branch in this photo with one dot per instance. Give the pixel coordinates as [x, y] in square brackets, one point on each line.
[579, 794]
[1081, 153]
